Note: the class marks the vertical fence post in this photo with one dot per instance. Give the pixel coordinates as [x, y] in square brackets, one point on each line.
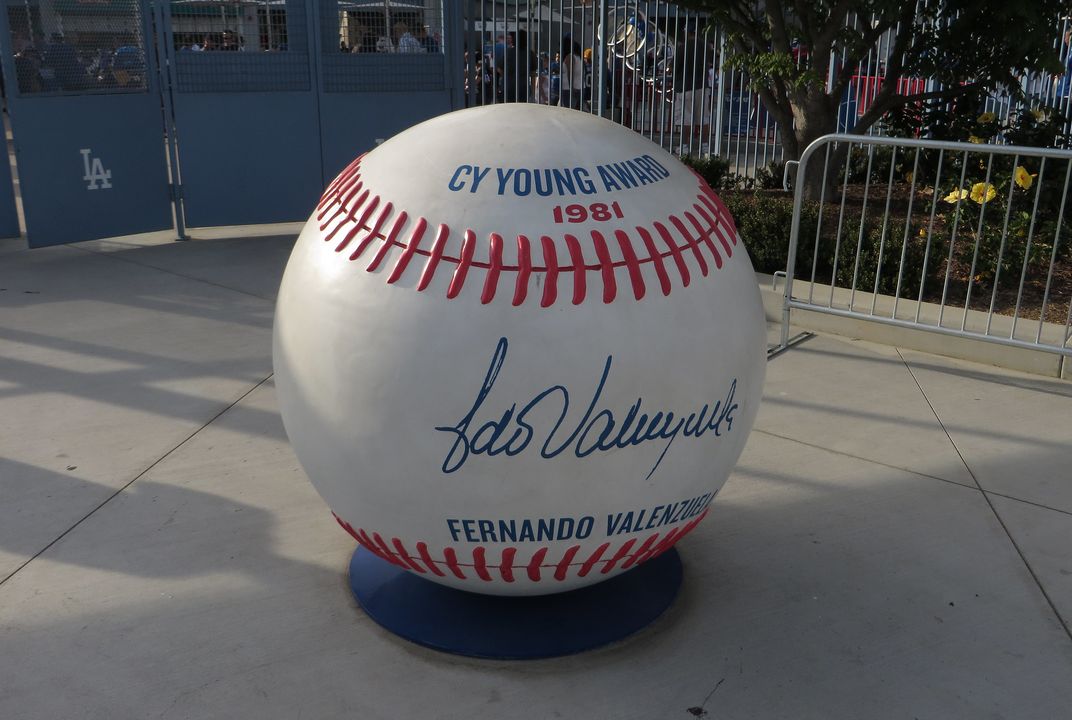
[161, 14]
[601, 56]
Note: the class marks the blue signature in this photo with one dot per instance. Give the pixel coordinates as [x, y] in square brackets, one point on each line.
[598, 431]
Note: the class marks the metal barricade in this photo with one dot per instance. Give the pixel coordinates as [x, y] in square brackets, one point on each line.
[961, 239]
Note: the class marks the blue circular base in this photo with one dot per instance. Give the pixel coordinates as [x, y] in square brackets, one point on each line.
[513, 628]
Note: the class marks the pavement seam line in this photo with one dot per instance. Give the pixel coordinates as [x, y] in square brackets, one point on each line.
[990, 503]
[114, 256]
[137, 477]
[907, 470]
[866, 460]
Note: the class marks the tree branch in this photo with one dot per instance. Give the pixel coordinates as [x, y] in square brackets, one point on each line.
[888, 101]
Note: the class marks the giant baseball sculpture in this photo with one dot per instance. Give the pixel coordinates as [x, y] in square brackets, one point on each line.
[518, 349]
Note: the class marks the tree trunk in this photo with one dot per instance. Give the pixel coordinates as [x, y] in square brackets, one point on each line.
[815, 115]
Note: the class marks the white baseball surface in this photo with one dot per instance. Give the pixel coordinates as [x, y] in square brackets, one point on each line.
[518, 349]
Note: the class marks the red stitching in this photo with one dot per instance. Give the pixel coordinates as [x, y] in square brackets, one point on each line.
[693, 243]
[578, 267]
[705, 235]
[433, 258]
[588, 564]
[492, 279]
[395, 553]
[372, 233]
[480, 565]
[506, 569]
[422, 550]
[606, 267]
[524, 269]
[456, 282]
[675, 252]
[351, 204]
[534, 564]
[657, 258]
[451, 560]
[550, 258]
[633, 264]
[716, 228]
[407, 252]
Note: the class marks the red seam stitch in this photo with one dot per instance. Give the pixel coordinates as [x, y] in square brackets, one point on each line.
[433, 257]
[506, 568]
[663, 545]
[533, 568]
[720, 208]
[622, 552]
[631, 262]
[586, 567]
[342, 194]
[372, 232]
[578, 269]
[368, 544]
[346, 526]
[675, 252]
[719, 211]
[563, 565]
[550, 284]
[407, 252]
[693, 243]
[379, 541]
[395, 229]
[451, 559]
[716, 228]
[422, 550]
[656, 260]
[359, 222]
[632, 559]
[524, 269]
[381, 253]
[705, 235]
[480, 564]
[606, 267]
[491, 280]
[719, 219]
[458, 280]
[330, 193]
[347, 214]
[401, 550]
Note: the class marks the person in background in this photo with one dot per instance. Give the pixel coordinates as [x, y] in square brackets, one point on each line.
[61, 67]
[28, 70]
[363, 41]
[520, 69]
[405, 41]
[571, 86]
[426, 40]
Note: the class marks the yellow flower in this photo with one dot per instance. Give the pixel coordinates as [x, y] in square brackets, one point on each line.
[987, 117]
[1039, 115]
[923, 232]
[976, 139]
[1023, 178]
[909, 176]
[983, 192]
[956, 195]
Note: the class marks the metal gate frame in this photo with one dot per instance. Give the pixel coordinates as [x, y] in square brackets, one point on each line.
[824, 145]
[90, 161]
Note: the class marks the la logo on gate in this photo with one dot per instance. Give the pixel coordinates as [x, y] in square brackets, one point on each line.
[96, 176]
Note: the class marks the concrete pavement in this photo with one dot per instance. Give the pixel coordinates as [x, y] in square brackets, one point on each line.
[896, 541]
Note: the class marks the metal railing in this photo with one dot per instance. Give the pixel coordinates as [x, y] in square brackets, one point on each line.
[961, 239]
[653, 67]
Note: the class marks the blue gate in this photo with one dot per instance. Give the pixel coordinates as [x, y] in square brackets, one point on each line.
[384, 66]
[84, 103]
[245, 107]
